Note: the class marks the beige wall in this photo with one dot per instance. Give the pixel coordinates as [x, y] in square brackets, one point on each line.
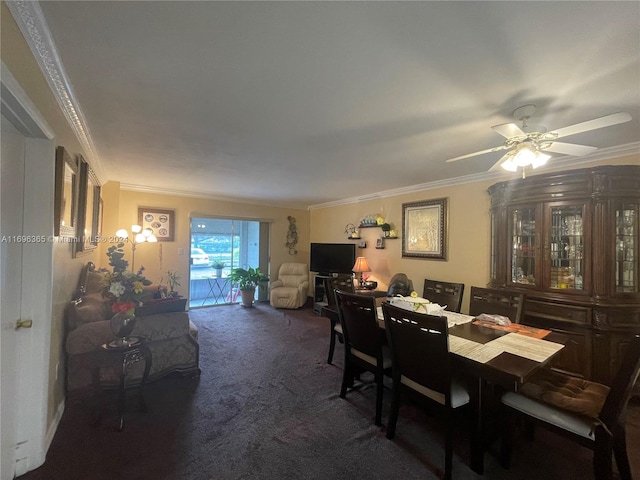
[468, 233]
[16, 55]
[159, 257]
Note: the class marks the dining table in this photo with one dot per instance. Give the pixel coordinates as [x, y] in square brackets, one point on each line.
[503, 356]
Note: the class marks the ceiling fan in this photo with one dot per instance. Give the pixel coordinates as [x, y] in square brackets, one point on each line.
[527, 144]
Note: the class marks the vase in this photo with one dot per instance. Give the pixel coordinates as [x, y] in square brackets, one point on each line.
[247, 295]
[219, 272]
[122, 324]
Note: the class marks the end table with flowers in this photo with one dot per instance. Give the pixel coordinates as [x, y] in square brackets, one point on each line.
[126, 289]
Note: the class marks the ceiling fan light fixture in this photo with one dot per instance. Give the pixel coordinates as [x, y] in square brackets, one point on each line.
[525, 156]
[509, 165]
[541, 159]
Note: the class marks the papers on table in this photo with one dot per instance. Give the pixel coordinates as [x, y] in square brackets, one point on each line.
[527, 347]
[524, 346]
[453, 318]
[473, 350]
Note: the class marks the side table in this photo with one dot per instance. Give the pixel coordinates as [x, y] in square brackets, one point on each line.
[127, 354]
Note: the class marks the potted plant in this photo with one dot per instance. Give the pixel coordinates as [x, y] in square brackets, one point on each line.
[174, 281]
[218, 266]
[247, 280]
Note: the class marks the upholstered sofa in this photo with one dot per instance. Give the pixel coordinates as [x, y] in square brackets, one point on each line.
[172, 338]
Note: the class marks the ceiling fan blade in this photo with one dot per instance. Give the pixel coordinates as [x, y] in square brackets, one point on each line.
[481, 152]
[606, 121]
[570, 149]
[496, 165]
[508, 130]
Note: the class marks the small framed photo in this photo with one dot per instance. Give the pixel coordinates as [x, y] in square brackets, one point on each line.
[160, 221]
[424, 229]
[380, 243]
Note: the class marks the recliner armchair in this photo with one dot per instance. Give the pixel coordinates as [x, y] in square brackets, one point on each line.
[291, 287]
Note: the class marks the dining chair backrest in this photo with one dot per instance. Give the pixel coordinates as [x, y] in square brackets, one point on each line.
[340, 282]
[359, 321]
[496, 301]
[419, 348]
[444, 293]
[616, 403]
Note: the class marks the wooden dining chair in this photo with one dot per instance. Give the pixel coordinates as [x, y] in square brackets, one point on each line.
[331, 284]
[496, 301]
[591, 414]
[444, 293]
[364, 347]
[420, 361]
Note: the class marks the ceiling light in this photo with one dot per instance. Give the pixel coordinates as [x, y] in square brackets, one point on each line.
[525, 155]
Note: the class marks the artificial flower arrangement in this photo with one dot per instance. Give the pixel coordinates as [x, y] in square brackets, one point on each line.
[124, 287]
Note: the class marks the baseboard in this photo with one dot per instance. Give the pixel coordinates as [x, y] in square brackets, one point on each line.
[53, 428]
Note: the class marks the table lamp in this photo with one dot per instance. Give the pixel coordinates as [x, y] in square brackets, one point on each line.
[360, 267]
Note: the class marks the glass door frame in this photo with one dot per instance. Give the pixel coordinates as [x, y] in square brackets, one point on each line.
[549, 255]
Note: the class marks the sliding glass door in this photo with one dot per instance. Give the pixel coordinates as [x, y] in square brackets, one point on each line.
[218, 245]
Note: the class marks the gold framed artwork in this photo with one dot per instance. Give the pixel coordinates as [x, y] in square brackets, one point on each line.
[424, 229]
[88, 208]
[65, 204]
[160, 221]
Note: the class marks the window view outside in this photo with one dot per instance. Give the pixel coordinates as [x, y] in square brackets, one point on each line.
[218, 246]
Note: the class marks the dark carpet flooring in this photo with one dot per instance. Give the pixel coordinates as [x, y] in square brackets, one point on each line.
[267, 407]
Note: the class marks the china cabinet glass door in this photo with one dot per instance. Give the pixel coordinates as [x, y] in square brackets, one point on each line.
[626, 215]
[524, 246]
[565, 246]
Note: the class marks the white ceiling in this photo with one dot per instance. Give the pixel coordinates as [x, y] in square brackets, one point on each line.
[303, 103]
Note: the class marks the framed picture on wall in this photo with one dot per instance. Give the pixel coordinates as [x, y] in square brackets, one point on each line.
[424, 229]
[88, 208]
[160, 221]
[65, 205]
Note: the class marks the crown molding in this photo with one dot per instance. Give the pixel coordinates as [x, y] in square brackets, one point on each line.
[209, 196]
[558, 163]
[30, 19]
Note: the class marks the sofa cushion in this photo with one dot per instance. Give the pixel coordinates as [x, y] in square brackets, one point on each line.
[95, 282]
[92, 308]
[88, 337]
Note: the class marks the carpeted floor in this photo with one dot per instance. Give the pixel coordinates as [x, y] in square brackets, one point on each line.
[266, 407]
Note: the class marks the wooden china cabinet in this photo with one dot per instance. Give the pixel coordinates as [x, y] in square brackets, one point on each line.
[570, 241]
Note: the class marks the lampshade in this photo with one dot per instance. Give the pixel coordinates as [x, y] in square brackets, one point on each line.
[361, 265]
[525, 156]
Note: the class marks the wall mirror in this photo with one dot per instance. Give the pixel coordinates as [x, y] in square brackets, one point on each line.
[65, 203]
[88, 208]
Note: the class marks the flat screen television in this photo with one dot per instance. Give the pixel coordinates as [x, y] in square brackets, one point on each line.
[328, 258]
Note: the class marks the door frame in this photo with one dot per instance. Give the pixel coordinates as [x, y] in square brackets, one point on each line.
[32, 434]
